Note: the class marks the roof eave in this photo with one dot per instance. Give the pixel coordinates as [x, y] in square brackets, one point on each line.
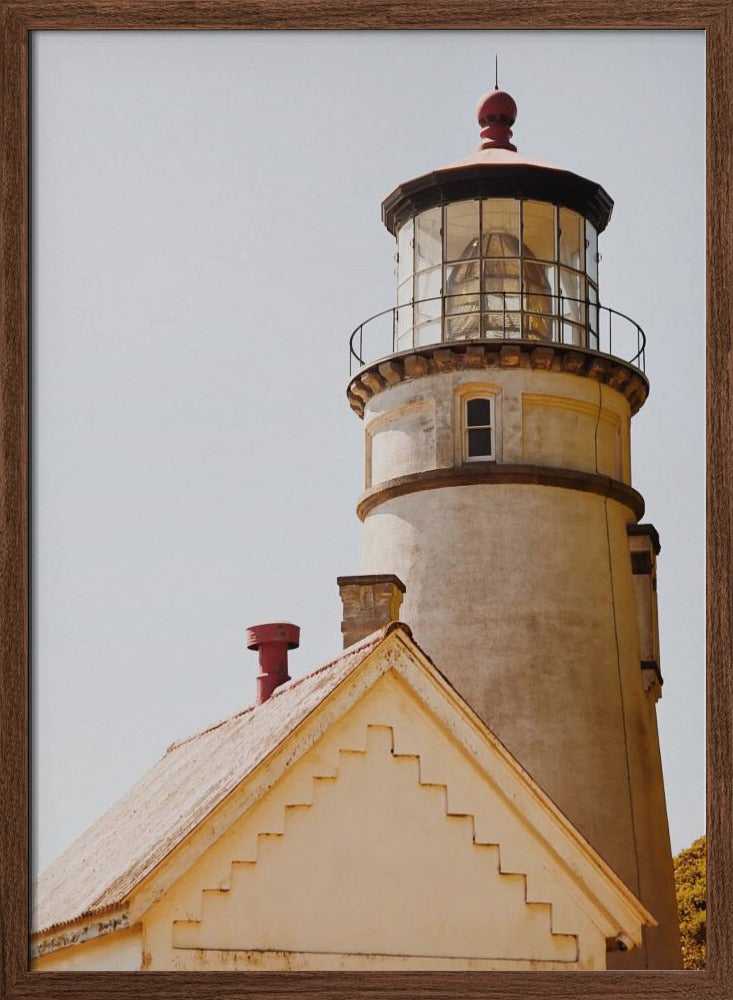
[497, 180]
[93, 924]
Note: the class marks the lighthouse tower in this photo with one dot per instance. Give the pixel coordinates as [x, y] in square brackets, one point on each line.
[497, 398]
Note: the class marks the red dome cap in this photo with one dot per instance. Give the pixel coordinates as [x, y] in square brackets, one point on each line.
[496, 113]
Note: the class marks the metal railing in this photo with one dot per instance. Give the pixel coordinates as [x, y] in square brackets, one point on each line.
[535, 316]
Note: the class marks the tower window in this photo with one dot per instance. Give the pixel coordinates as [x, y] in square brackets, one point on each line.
[478, 434]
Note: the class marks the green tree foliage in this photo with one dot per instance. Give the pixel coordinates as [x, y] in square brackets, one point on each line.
[689, 874]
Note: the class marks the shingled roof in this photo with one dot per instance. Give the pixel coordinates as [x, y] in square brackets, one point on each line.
[99, 870]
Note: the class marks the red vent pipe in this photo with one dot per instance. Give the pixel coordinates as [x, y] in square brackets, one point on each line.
[272, 641]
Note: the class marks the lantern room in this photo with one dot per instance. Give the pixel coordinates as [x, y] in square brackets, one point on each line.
[497, 268]
[497, 247]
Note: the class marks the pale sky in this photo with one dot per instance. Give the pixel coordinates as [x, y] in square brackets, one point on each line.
[206, 234]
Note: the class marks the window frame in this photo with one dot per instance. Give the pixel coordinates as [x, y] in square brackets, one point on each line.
[463, 396]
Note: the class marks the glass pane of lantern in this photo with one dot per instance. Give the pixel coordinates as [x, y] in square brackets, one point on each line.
[403, 322]
[404, 251]
[461, 230]
[428, 333]
[478, 413]
[479, 443]
[538, 285]
[492, 325]
[501, 285]
[572, 334]
[427, 310]
[572, 238]
[500, 227]
[464, 327]
[428, 248]
[501, 324]
[538, 327]
[591, 252]
[513, 325]
[461, 284]
[572, 290]
[403, 339]
[462, 304]
[428, 303]
[538, 230]
[427, 294]
[593, 317]
[539, 300]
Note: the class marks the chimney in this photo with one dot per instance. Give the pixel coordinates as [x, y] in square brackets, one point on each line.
[272, 641]
[369, 603]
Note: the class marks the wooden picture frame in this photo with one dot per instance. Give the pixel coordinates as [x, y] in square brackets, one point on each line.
[18, 20]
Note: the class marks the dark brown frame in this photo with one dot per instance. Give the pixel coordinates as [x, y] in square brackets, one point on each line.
[19, 17]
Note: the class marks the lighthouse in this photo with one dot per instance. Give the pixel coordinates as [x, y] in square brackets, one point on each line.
[497, 398]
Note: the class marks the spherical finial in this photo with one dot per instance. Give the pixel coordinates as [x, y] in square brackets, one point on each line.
[496, 113]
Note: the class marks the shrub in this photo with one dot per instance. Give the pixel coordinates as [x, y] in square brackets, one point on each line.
[689, 873]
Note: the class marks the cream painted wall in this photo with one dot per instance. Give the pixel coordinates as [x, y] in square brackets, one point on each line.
[363, 856]
[120, 951]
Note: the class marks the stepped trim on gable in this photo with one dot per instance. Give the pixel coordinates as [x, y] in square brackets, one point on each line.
[188, 934]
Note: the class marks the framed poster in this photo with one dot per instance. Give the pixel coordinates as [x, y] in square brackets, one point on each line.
[226, 244]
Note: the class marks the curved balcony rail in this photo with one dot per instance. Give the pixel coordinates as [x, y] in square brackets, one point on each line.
[542, 318]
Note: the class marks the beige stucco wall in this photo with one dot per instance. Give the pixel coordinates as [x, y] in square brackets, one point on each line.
[565, 432]
[401, 441]
[543, 418]
[380, 849]
[523, 596]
